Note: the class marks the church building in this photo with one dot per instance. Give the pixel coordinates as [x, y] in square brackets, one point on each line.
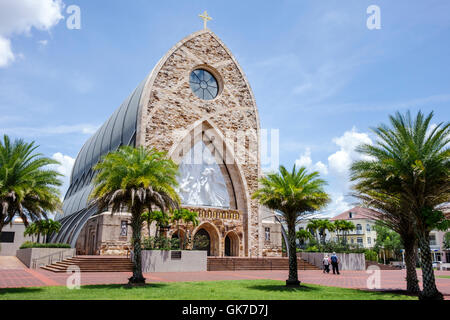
[196, 101]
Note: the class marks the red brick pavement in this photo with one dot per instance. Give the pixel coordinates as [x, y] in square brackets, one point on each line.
[390, 279]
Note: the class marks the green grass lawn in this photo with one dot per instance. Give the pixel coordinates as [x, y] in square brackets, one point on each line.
[210, 290]
[443, 277]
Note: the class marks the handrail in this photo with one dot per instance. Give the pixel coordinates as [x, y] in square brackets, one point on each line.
[50, 257]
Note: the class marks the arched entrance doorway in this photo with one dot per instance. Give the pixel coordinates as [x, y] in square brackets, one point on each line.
[202, 241]
[212, 245]
[231, 245]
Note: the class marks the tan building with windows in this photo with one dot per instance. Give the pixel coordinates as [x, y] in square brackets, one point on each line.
[364, 234]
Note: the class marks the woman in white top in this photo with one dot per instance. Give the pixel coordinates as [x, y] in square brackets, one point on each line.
[326, 264]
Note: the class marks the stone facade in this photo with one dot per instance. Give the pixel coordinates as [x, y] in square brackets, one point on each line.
[102, 235]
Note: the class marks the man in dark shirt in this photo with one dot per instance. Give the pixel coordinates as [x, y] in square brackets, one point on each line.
[335, 263]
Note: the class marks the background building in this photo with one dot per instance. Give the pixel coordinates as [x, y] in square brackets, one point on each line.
[364, 235]
[11, 238]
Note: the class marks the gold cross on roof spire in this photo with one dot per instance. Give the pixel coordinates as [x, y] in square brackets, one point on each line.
[205, 18]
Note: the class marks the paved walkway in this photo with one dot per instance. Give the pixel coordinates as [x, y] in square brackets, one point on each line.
[10, 263]
[20, 276]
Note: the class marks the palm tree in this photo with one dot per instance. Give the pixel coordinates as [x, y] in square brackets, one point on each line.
[304, 235]
[324, 225]
[338, 225]
[313, 226]
[347, 226]
[344, 227]
[135, 179]
[31, 230]
[162, 220]
[28, 188]
[50, 226]
[388, 212]
[190, 218]
[294, 194]
[411, 161]
[183, 214]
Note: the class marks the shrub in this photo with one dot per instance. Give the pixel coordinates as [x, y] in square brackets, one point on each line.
[371, 255]
[312, 249]
[161, 243]
[29, 244]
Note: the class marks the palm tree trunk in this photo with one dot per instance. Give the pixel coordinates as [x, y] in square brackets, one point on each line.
[136, 225]
[429, 292]
[293, 272]
[412, 283]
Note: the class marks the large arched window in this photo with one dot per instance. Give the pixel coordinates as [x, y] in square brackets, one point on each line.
[201, 182]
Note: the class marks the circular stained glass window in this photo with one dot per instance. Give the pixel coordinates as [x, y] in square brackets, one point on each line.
[203, 84]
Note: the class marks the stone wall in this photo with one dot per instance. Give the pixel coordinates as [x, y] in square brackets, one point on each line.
[347, 261]
[44, 256]
[163, 261]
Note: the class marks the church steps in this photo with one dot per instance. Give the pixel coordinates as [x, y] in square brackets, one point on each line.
[93, 264]
[236, 263]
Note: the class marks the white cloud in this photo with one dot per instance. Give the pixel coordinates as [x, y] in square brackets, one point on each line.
[6, 54]
[20, 16]
[321, 167]
[340, 161]
[64, 168]
[306, 161]
[338, 168]
[43, 43]
[338, 205]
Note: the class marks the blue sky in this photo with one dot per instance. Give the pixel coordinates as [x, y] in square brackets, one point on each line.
[318, 73]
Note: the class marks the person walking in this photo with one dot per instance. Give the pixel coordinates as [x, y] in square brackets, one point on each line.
[326, 264]
[335, 263]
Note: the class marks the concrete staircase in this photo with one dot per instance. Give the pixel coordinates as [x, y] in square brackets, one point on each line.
[237, 263]
[93, 264]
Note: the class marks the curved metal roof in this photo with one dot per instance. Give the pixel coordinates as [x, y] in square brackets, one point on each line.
[118, 130]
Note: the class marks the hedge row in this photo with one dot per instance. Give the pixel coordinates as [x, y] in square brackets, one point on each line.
[29, 244]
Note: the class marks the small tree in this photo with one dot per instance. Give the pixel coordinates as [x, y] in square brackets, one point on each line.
[313, 226]
[42, 227]
[28, 188]
[447, 240]
[295, 195]
[304, 235]
[324, 226]
[136, 179]
[345, 227]
[191, 220]
[387, 239]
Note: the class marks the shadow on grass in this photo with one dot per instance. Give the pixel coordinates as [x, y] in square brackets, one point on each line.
[283, 288]
[19, 290]
[381, 292]
[123, 286]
